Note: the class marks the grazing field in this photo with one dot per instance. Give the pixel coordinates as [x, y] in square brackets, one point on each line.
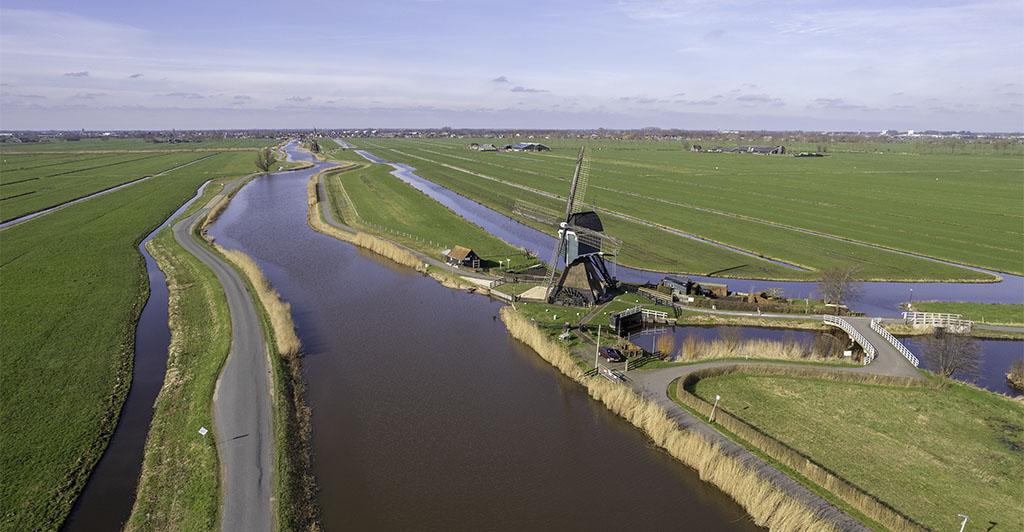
[993, 313]
[29, 183]
[73, 287]
[930, 453]
[370, 198]
[841, 210]
[131, 145]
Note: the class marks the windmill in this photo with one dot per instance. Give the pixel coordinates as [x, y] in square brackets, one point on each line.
[582, 245]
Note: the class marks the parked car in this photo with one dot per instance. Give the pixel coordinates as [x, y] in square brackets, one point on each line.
[612, 355]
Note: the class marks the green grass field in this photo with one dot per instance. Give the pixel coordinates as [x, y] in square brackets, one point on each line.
[73, 286]
[958, 207]
[383, 204]
[132, 145]
[29, 184]
[993, 313]
[931, 453]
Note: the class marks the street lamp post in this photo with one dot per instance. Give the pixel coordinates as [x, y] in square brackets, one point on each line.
[712, 416]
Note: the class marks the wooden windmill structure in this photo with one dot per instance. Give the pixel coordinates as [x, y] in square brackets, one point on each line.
[582, 245]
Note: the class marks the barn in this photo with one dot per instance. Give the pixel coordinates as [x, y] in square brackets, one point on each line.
[462, 256]
[526, 146]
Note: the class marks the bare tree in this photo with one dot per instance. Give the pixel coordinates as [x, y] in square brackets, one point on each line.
[953, 354]
[838, 286]
[264, 160]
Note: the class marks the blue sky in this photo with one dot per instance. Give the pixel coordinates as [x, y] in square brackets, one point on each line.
[862, 65]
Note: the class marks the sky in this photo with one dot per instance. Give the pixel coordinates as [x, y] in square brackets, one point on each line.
[863, 65]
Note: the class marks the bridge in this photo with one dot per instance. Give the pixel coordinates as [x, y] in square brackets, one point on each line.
[886, 354]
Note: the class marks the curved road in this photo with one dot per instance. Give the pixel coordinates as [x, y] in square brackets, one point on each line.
[241, 400]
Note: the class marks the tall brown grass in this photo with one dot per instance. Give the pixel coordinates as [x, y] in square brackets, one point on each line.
[850, 493]
[757, 494]
[279, 312]
[694, 348]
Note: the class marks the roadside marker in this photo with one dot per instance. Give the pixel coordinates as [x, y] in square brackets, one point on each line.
[203, 431]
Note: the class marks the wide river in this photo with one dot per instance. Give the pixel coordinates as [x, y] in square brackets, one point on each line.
[427, 415]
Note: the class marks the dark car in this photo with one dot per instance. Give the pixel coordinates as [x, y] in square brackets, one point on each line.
[612, 355]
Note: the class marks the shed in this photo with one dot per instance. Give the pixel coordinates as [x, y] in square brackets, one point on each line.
[716, 290]
[462, 256]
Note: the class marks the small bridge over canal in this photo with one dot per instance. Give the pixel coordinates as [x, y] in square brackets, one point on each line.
[886, 354]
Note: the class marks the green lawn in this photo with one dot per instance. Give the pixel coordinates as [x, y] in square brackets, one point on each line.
[73, 286]
[981, 312]
[386, 205]
[961, 207]
[930, 453]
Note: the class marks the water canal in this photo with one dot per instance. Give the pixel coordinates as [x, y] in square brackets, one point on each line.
[878, 299]
[427, 415]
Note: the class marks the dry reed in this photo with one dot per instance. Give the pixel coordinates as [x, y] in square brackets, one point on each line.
[758, 495]
[279, 312]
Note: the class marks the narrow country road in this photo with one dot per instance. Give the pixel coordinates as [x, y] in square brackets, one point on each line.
[241, 401]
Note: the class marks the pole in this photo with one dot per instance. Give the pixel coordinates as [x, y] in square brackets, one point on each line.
[964, 523]
[597, 349]
[712, 416]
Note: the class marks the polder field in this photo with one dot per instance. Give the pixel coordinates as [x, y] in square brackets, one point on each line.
[850, 208]
[73, 286]
[371, 199]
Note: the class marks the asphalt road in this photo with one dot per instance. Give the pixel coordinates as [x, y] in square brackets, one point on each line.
[241, 400]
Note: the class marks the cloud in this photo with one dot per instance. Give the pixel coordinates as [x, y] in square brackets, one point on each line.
[642, 100]
[697, 102]
[88, 95]
[714, 35]
[30, 96]
[298, 99]
[759, 99]
[500, 79]
[185, 95]
[837, 103]
[135, 76]
[242, 97]
[678, 94]
[519, 88]
[82, 74]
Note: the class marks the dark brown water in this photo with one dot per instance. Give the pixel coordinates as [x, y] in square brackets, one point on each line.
[426, 415]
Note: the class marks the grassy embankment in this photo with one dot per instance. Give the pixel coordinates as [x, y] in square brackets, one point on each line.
[370, 199]
[991, 313]
[757, 495]
[74, 285]
[930, 453]
[763, 204]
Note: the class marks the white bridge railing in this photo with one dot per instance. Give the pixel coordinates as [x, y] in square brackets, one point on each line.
[937, 319]
[876, 325]
[869, 349]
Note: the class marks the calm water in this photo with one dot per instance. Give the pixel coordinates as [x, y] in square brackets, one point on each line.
[879, 298]
[426, 415]
[996, 358]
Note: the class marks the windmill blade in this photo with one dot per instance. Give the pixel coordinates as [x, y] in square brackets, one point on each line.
[574, 184]
[578, 204]
[550, 281]
[532, 211]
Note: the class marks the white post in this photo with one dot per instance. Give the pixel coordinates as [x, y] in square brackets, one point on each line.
[964, 523]
[597, 349]
[715, 406]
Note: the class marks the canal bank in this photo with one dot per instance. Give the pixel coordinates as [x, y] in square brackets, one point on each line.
[426, 424]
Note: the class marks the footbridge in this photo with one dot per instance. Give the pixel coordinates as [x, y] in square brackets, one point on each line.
[885, 353]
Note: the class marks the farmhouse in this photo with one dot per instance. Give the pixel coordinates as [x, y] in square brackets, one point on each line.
[462, 256]
[526, 146]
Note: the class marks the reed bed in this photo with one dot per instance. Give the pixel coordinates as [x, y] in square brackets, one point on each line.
[759, 496]
[850, 493]
[696, 349]
[279, 312]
